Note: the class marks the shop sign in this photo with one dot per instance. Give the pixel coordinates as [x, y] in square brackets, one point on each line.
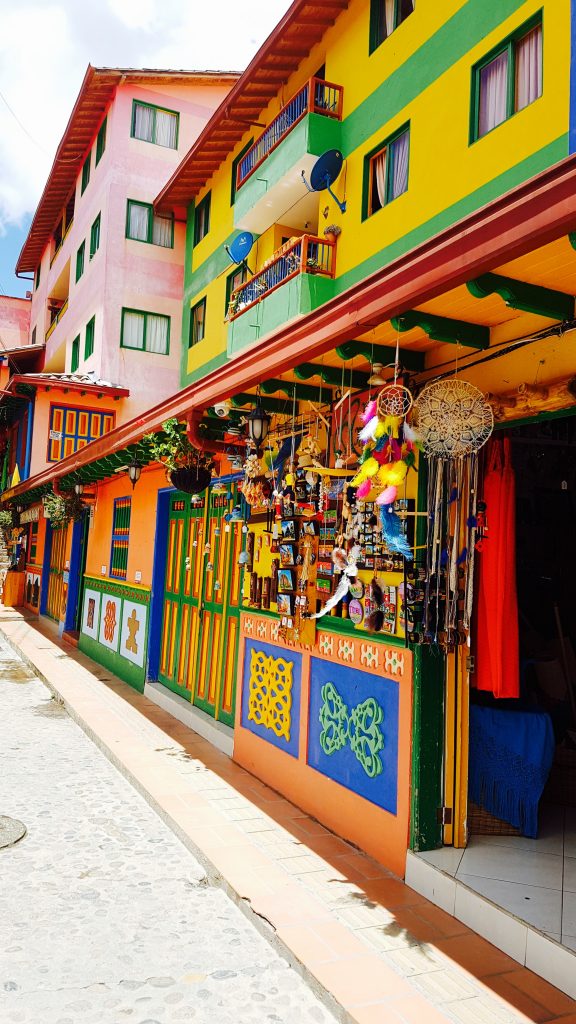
[30, 515]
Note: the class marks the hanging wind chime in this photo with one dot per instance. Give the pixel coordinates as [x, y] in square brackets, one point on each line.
[453, 421]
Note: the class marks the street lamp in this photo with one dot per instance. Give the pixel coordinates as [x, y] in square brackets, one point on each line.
[134, 470]
[78, 489]
[258, 424]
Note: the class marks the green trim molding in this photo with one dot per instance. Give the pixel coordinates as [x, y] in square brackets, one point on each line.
[531, 298]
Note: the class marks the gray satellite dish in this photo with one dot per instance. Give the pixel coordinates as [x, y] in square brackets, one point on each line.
[324, 174]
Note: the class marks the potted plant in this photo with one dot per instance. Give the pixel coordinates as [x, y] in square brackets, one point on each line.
[62, 509]
[187, 468]
[8, 520]
[331, 232]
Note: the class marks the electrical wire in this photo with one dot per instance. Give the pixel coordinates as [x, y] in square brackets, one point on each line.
[19, 122]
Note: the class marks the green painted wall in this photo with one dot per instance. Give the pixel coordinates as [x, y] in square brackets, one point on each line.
[299, 295]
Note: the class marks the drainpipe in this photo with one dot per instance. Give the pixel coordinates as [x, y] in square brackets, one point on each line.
[203, 443]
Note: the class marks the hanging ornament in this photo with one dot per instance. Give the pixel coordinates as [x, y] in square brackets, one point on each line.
[453, 418]
[349, 572]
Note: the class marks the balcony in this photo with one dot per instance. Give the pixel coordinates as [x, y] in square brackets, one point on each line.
[295, 280]
[269, 181]
[56, 314]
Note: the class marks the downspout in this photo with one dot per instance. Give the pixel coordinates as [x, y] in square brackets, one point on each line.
[203, 443]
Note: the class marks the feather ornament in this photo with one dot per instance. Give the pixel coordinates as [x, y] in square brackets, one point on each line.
[370, 411]
[394, 537]
[368, 433]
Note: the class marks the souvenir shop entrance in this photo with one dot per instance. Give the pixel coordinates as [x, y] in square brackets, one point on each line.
[510, 698]
[199, 634]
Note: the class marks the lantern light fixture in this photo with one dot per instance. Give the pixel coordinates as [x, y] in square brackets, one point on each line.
[134, 471]
[78, 489]
[258, 423]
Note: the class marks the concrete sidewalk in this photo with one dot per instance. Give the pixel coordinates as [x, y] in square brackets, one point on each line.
[362, 938]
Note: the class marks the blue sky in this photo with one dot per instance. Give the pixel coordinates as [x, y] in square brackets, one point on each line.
[41, 74]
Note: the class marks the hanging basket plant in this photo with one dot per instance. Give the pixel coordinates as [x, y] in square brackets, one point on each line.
[187, 468]
[62, 509]
[8, 520]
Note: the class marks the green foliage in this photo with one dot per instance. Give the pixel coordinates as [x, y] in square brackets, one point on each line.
[63, 508]
[173, 448]
[7, 522]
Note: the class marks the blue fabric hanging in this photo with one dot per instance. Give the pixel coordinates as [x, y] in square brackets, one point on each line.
[511, 754]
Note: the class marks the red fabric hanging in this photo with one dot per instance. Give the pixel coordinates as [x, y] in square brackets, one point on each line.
[497, 659]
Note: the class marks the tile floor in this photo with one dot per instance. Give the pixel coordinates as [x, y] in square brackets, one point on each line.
[534, 879]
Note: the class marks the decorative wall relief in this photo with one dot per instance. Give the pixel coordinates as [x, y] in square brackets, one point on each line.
[133, 634]
[353, 730]
[109, 622]
[91, 613]
[271, 688]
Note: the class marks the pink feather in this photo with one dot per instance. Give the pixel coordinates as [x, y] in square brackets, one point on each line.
[364, 489]
[370, 411]
[387, 496]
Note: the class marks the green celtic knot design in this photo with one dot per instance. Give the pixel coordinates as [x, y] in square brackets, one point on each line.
[359, 727]
[333, 719]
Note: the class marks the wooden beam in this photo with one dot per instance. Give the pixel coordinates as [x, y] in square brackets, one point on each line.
[274, 405]
[332, 375]
[530, 298]
[304, 392]
[442, 328]
[385, 354]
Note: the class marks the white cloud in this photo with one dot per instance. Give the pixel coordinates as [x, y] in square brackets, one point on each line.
[45, 46]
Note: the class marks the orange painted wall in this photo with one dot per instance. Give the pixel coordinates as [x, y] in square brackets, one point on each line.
[142, 525]
[383, 835]
[57, 396]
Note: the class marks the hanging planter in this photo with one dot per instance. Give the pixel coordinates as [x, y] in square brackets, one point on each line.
[191, 480]
[187, 468]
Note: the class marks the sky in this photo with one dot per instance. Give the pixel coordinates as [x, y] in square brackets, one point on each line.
[45, 47]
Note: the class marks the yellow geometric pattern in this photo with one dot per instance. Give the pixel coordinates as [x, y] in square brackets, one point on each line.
[270, 693]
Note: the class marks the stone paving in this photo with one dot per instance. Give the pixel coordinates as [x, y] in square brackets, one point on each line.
[105, 916]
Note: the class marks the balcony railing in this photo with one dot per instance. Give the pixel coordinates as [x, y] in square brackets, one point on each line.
[305, 255]
[56, 319]
[317, 97]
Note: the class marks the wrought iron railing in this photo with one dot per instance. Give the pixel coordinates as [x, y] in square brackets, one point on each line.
[316, 96]
[306, 255]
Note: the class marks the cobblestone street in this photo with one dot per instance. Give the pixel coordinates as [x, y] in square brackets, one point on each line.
[105, 916]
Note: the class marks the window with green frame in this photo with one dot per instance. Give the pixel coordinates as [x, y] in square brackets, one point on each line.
[89, 339]
[95, 237]
[197, 323]
[143, 225]
[80, 261]
[507, 79]
[202, 219]
[155, 124]
[148, 332]
[75, 355]
[85, 174]
[235, 163]
[233, 281]
[100, 142]
[386, 172]
[385, 16]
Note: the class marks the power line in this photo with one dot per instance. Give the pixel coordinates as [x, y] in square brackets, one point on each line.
[19, 122]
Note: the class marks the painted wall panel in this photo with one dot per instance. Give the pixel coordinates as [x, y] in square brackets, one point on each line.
[271, 689]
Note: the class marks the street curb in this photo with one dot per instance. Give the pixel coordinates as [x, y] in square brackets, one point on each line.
[213, 876]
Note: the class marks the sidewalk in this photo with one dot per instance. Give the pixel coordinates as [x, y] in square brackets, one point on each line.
[380, 950]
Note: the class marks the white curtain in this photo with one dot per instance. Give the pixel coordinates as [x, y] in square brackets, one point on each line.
[198, 323]
[138, 222]
[166, 125]
[493, 94]
[400, 164]
[388, 17]
[529, 68]
[380, 176]
[157, 334]
[144, 122]
[162, 231]
[133, 333]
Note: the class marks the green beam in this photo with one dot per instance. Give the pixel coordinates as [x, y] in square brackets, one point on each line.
[384, 354]
[333, 375]
[531, 298]
[304, 392]
[232, 416]
[274, 405]
[442, 328]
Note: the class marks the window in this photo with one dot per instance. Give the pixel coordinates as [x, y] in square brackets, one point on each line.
[75, 357]
[89, 339]
[385, 16]
[507, 80]
[233, 281]
[202, 219]
[85, 174]
[235, 164]
[153, 124]
[38, 269]
[33, 338]
[100, 142]
[197, 323]
[144, 225]
[95, 237]
[386, 172]
[71, 428]
[149, 332]
[120, 538]
[80, 261]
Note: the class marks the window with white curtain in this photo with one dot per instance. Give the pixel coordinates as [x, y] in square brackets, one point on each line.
[153, 124]
[143, 225]
[197, 323]
[385, 17]
[508, 80]
[149, 332]
[387, 171]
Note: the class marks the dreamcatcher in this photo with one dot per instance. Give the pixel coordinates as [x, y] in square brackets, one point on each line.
[454, 421]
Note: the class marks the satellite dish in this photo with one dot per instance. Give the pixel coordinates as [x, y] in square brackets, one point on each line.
[239, 249]
[324, 174]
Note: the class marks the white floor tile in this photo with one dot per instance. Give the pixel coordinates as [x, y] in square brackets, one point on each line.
[430, 882]
[541, 908]
[512, 865]
[552, 962]
[447, 859]
[569, 941]
[550, 834]
[569, 913]
[493, 923]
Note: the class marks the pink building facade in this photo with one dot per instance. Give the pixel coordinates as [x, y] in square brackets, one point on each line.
[14, 322]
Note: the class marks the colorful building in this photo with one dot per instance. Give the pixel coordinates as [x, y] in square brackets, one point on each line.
[443, 252]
